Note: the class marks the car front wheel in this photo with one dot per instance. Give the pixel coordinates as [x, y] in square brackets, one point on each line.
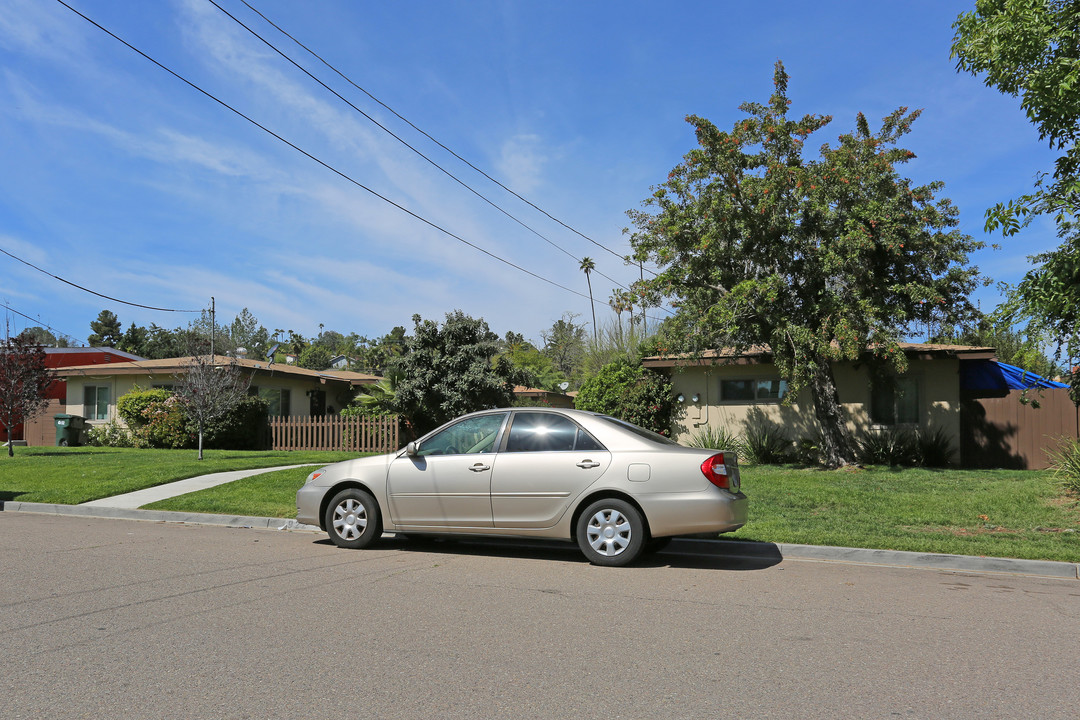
[611, 532]
[352, 519]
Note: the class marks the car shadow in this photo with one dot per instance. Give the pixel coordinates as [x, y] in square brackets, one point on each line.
[688, 554]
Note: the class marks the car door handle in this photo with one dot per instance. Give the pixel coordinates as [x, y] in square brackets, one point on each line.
[586, 464]
[480, 467]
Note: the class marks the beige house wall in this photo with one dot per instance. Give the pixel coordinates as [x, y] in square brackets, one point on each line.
[120, 385]
[939, 400]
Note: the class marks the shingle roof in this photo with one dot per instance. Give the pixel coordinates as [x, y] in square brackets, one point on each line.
[177, 365]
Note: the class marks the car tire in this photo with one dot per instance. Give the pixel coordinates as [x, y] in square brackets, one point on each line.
[611, 532]
[352, 519]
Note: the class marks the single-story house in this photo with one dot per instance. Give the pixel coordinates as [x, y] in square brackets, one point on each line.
[41, 430]
[734, 390]
[289, 390]
[547, 397]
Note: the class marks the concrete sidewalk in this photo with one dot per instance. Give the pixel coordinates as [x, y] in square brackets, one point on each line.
[135, 500]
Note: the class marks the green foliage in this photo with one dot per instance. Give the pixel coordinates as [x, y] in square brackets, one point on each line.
[244, 427]
[155, 419]
[564, 343]
[889, 447]
[451, 369]
[819, 259]
[1031, 49]
[935, 447]
[766, 443]
[712, 437]
[107, 331]
[111, 434]
[135, 406]
[1065, 461]
[630, 392]
[315, 357]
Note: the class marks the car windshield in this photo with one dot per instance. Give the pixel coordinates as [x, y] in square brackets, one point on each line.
[639, 431]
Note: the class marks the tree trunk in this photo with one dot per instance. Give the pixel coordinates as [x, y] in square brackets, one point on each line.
[200, 441]
[837, 444]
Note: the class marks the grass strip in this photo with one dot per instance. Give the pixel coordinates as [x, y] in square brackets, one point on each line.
[76, 475]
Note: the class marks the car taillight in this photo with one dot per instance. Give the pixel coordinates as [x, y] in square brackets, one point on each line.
[716, 471]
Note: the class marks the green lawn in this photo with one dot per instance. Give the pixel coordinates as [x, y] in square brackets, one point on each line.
[997, 513]
[77, 475]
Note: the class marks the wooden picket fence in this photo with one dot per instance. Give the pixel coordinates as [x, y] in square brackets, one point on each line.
[334, 432]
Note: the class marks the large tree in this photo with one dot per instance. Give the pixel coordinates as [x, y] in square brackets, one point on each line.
[24, 381]
[822, 259]
[107, 331]
[450, 369]
[1031, 49]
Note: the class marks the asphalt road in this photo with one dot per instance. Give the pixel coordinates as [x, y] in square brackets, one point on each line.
[125, 619]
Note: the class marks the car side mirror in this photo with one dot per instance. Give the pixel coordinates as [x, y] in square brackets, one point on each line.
[411, 449]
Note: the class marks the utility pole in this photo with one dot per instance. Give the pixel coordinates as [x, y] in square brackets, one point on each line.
[213, 327]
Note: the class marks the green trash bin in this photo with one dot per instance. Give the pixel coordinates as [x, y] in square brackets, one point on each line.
[68, 429]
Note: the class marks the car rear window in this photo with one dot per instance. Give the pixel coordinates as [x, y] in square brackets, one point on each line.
[639, 431]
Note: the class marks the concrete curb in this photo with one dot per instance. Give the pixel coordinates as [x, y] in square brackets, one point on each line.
[687, 546]
[889, 558]
[239, 521]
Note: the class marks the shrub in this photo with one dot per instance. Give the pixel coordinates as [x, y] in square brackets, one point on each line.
[712, 437]
[935, 448]
[245, 427]
[889, 447]
[112, 434]
[808, 450]
[766, 443]
[1065, 461]
[134, 406]
[630, 392]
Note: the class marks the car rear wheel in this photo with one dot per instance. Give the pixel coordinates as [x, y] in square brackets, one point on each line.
[611, 532]
[352, 519]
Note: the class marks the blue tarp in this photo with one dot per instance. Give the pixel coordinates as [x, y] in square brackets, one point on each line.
[991, 375]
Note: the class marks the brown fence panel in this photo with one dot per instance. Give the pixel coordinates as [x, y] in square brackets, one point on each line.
[997, 430]
[334, 432]
[41, 430]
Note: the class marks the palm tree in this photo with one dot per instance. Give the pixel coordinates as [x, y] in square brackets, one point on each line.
[587, 266]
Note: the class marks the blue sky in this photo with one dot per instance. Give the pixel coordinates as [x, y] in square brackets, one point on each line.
[118, 177]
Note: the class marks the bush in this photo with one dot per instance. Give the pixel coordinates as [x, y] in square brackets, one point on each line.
[112, 434]
[155, 418]
[935, 448]
[890, 447]
[766, 443]
[712, 437]
[245, 427]
[630, 392]
[1065, 461]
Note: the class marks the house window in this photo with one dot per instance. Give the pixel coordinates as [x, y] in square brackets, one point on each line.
[752, 389]
[895, 402]
[96, 402]
[277, 400]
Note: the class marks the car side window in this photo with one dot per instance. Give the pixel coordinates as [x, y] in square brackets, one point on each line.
[547, 432]
[472, 435]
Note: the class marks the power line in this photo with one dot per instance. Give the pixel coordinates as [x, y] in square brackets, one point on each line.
[53, 330]
[313, 158]
[94, 292]
[404, 142]
[425, 134]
